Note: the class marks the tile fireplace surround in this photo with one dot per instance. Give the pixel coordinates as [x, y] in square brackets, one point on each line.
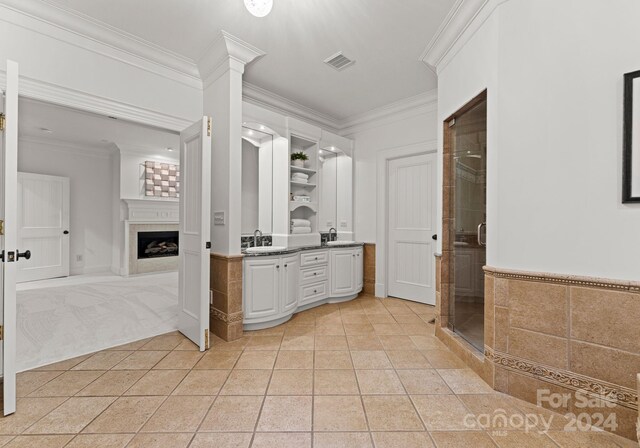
[558, 333]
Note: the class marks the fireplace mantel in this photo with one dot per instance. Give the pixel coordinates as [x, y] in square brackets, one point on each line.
[150, 210]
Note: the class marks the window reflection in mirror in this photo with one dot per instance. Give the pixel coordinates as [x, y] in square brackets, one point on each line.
[257, 181]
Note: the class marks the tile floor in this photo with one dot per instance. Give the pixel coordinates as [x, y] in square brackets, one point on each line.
[368, 373]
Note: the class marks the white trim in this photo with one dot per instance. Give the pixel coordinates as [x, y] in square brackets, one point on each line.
[383, 158]
[460, 24]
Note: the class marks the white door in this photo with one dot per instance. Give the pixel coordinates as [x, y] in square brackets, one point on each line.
[195, 231]
[261, 287]
[412, 223]
[343, 269]
[290, 281]
[43, 226]
[9, 237]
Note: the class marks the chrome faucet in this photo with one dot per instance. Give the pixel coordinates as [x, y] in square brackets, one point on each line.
[335, 232]
[257, 238]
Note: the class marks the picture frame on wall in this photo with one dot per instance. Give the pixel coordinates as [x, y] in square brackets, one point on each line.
[631, 139]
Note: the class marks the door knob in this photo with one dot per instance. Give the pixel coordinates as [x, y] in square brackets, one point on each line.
[66, 232]
[26, 255]
[434, 237]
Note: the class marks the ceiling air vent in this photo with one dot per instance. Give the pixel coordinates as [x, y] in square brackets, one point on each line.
[339, 61]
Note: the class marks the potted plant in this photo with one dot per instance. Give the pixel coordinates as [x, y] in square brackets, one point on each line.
[298, 159]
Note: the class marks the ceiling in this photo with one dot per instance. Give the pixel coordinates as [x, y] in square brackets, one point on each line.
[386, 38]
[92, 131]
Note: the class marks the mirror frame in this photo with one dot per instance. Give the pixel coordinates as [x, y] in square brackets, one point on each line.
[627, 136]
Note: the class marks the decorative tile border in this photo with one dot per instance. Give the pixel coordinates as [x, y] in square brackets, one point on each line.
[226, 318]
[607, 391]
[569, 280]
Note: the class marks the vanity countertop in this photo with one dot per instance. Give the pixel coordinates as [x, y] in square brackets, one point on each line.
[293, 250]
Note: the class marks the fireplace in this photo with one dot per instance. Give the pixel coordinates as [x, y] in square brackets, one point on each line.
[157, 244]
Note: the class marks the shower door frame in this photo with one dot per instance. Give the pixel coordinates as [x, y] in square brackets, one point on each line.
[447, 280]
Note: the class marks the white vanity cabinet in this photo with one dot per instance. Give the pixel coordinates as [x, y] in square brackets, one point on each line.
[270, 287]
[346, 271]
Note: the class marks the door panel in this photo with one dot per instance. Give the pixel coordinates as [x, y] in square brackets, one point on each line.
[43, 217]
[342, 272]
[412, 222]
[9, 241]
[262, 284]
[195, 231]
[290, 282]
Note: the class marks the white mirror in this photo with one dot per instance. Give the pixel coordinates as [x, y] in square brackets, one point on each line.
[257, 180]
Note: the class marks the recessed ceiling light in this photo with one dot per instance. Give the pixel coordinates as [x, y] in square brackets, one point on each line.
[46, 130]
[262, 128]
[170, 149]
[250, 132]
[259, 8]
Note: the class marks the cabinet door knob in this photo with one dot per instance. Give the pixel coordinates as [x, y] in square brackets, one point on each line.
[316, 258]
[286, 265]
[315, 291]
[315, 273]
[277, 266]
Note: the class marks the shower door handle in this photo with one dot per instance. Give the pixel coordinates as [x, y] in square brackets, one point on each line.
[480, 242]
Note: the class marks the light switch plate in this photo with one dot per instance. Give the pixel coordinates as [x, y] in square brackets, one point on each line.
[218, 218]
[343, 224]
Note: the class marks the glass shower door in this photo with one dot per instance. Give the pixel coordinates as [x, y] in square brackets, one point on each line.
[469, 181]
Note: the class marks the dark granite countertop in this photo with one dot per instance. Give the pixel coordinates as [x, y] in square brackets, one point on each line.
[293, 250]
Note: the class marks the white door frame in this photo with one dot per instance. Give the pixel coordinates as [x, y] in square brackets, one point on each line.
[382, 205]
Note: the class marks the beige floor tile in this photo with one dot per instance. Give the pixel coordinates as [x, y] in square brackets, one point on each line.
[403, 440]
[495, 405]
[379, 382]
[100, 440]
[264, 343]
[164, 342]
[218, 344]
[339, 413]
[423, 381]
[295, 359]
[273, 331]
[48, 441]
[112, 384]
[518, 439]
[141, 360]
[333, 360]
[330, 329]
[246, 382]
[202, 382]
[291, 382]
[370, 359]
[125, 415]
[135, 345]
[281, 440]
[359, 329]
[179, 360]
[157, 382]
[161, 441]
[463, 439]
[391, 413]
[581, 439]
[427, 342]
[364, 342]
[63, 365]
[388, 329]
[187, 345]
[179, 413]
[335, 382]
[381, 318]
[355, 319]
[233, 414]
[102, 360]
[298, 342]
[443, 359]
[67, 384]
[418, 329]
[465, 381]
[223, 359]
[444, 413]
[397, 342]
[6, 439]
[285, 414]
[408, 359]
[257, 359]
[331, 343]
[342, 440]
[72, 416]
[28, 382]
[28, 411]
[299, 330]
[408, 319]
[303, 318]
[222, 440]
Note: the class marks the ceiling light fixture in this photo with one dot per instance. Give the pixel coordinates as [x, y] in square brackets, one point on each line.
[259, 8]
[170, 149]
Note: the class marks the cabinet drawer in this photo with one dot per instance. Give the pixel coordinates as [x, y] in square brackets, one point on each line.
[313, 293]
[314, 275]
[314, 258]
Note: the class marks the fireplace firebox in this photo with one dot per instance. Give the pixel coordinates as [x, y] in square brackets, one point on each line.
[157, 244]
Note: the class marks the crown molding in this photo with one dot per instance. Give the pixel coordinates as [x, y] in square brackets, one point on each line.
[279, 104]
[225, 52]
[462, 21]
[87, 33]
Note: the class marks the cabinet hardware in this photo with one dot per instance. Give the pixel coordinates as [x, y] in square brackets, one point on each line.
[315, 273]
[277, 266]
[286, 265]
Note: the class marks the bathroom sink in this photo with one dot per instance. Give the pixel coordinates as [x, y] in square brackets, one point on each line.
[339, 243]
[264, 249]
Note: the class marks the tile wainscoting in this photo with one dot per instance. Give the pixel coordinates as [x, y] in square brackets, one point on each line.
[369, 269]
[558, 333]
[226, 288]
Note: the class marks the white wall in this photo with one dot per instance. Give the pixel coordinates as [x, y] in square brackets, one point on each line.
[554, 76]
[417, 129]
[91, 177]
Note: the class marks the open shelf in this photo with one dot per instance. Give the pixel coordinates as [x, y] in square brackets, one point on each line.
[297, 169]
[313, 206]
[303, 185]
